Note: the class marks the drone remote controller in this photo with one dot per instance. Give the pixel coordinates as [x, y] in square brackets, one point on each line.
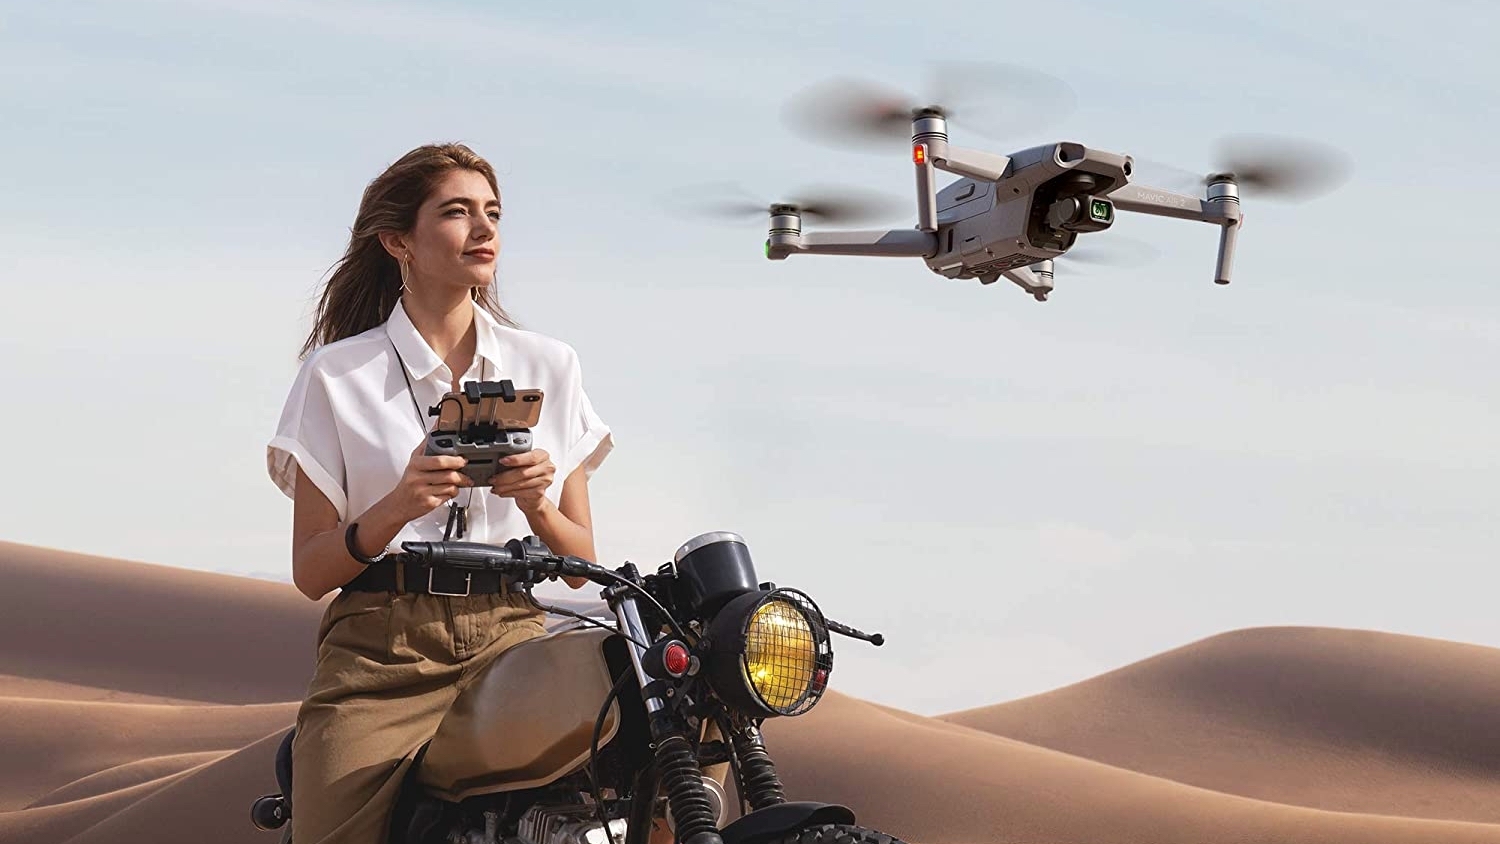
[482, 458]
[483, 423]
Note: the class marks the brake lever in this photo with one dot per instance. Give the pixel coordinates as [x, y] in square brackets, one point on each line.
[873, 638]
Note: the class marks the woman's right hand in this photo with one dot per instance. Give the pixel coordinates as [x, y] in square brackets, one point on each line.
[429, 482]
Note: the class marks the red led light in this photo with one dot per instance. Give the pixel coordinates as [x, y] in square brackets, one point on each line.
[675, 659]
[919, 154]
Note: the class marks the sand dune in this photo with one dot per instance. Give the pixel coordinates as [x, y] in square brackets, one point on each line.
[78, 740]
[1346, 720]
[144, 703]
[152, 630]
[949, 786]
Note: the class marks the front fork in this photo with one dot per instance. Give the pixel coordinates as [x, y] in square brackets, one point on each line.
[677, 770]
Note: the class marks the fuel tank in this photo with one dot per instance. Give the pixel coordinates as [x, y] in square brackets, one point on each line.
[525, 720]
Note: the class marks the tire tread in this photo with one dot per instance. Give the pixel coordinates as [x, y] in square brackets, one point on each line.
[832, 833]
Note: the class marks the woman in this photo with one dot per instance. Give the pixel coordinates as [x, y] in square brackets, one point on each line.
[409, 314]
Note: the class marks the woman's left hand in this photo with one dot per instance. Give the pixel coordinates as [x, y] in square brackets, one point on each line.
[525, 479]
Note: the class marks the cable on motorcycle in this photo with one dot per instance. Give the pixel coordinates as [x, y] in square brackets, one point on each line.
[642, 591]
[531, 599]
[610, 698]
[726, 730]
[645, 593]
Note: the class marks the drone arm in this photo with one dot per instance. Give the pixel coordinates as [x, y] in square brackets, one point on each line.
[971, 163]
[931, 152]
[1222, 207]
[899, 243]
[1164, 203]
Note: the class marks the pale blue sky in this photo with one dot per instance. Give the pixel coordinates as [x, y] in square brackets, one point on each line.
[1053, 490]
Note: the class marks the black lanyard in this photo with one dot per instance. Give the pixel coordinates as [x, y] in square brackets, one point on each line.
[458, 517]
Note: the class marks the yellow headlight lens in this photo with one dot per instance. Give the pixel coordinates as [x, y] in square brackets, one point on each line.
[780, 654]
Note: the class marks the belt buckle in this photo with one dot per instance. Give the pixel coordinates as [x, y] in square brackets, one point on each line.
[468, 585]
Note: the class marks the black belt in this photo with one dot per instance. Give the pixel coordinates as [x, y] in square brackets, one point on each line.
[429, 580]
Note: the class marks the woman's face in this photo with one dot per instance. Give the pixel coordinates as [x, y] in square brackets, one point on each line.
[456, 236]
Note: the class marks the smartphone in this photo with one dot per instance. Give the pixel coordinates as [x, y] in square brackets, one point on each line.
[456, 411]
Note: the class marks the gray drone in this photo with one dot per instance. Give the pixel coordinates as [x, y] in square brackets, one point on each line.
[1011, 216]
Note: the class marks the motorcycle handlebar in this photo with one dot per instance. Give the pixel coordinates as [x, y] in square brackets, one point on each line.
[515, 557]
[530, 556]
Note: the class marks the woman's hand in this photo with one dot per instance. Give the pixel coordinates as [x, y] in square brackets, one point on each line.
[428, 483]
[525, 479]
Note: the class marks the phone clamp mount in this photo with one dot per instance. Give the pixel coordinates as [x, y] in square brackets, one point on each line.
[488, 425]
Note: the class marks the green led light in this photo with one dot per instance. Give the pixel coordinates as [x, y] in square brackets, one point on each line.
[768, 248]
[1100, 210]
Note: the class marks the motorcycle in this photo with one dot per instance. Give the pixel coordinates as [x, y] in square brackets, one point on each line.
[623, 717]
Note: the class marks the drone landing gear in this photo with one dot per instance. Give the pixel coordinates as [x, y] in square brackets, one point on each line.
[1035, 279]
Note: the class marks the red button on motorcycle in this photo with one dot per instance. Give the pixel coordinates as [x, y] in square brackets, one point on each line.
[675, 659]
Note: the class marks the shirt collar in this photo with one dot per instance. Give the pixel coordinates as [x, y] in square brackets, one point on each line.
[421, 361]
[488, 331]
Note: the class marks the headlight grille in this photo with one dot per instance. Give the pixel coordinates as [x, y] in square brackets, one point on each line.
[787, 655]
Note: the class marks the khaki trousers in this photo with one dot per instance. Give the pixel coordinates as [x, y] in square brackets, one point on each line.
[388, 668]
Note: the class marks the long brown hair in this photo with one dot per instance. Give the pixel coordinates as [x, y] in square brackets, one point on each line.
[366, 282]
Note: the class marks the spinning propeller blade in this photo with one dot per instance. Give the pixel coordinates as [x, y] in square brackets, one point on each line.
[1283, 167]
[839, 205]
[995, 100]
[1268, 166]
[851, 111]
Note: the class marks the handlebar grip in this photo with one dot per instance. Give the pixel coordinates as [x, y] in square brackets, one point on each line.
[515, 557]
[463, 555]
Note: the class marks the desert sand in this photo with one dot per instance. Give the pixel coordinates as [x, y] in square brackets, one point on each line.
[143, 703]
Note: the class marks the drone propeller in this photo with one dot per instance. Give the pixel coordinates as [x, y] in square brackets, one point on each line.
[1264, 165]
[841, 205]
[995, 100]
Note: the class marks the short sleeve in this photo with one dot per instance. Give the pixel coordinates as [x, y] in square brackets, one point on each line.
[589, 439]
[308, 436]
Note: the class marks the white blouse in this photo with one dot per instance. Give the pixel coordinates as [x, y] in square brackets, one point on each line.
[349, 421]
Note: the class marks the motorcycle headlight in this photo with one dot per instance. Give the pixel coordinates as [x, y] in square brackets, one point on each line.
[771, 653]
